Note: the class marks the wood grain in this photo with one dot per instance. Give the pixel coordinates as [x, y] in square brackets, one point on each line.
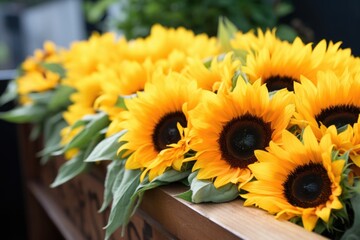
[229, 220]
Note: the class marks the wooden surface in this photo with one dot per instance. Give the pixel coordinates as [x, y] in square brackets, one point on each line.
[54, 211]
[70, 211]
[216, 220]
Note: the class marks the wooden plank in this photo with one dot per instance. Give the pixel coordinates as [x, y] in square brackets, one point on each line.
[54, 212]
[208, 221]
[39, 226]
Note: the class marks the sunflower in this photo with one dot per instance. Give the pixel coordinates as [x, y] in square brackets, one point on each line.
[332, 101]
[87, 57]
[82, 104]
[337, 59]
[228, 127]
[156, 124]
[83, 99]
[127, 78]
[297, 179]
[282, 64]
[251, 42]
[210, 78]
[346, 141]
[165, 49]
[123, 79]
[37, 81]
[48, 53]
[35, 77]
[162, 41]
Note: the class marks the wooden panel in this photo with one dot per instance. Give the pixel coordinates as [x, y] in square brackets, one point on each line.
[216, 220]
[55, 213]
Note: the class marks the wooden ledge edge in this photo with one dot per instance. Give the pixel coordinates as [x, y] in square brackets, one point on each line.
[229, 220]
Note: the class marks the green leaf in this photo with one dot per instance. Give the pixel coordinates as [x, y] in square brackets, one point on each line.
[10, 93]
[52, 136]
[95, 10]
[35, 132]
[354, 232]
[186, 195]
[285, 32]
[121, 103]
[226, 31]
[41, 98]
[121, 100]
[49, 125]
[55, 68]
[241, 55]
[24, 114]
[127, 208]
[96, 124]
[282, 9]
[80, 122]
[89, 147]
[169, 176]
[121, 206]
[238, 76]
[60, 98]
[114, 174]
[205, 191]
[106, 149]
[70, 169]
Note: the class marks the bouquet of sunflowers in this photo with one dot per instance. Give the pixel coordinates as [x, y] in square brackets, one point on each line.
[240, 115]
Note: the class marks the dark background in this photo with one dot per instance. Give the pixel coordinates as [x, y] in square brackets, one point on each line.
[315, 20]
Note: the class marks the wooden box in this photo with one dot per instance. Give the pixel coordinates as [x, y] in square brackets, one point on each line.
[70, 211]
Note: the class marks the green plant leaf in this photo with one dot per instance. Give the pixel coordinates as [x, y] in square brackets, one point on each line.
[285, 32]
[169, 176]
[41, 98]
[121, 100]
[128, 204]
[80, 122]
[121, 205]
[226, 31]
[282, 9]
[353, 233]
[36, 130]
[205, 191]
[89, 147]
[70, 169]
[24, 114]
[106, 149]
[95, 10]
[52, 137]
[185, 195]
[55, 68]
[96, 124]
[60, 98]
[114, 174]
[10, 93]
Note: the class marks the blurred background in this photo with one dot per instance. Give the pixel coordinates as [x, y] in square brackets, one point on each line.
[26, 24]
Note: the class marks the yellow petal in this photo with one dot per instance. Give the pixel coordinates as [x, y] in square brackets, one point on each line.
[324, 213]
[309, 221]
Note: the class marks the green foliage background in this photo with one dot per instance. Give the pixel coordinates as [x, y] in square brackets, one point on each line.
[200, 16]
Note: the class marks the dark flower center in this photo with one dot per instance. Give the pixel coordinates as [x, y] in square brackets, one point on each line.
[241, 137]
[277, 82]
[307, 186]
[166, 131]
[339, 116]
